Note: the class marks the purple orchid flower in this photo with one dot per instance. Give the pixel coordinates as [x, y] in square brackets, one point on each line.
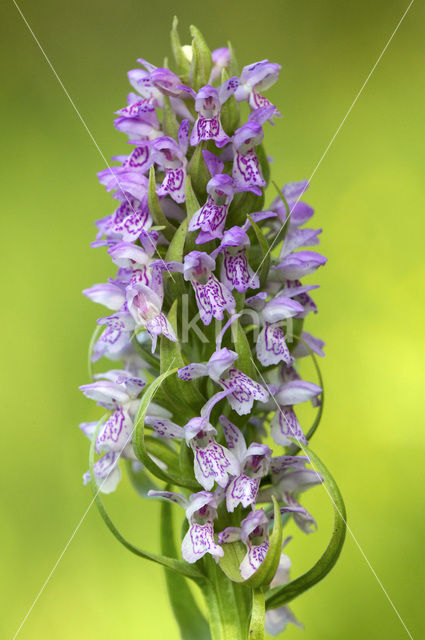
[300, 264]
[201, 511]
[235, 271]
[221, 60]
[127, 182]
[107, 473]
[316, 345]
[155, 82]
[212, 297]
[254, 533]
[170, 157]
[271, 343]
[115, 338]
[208, 103]
[254, 463]
[299, 293]
[234, 471]
[168, 83]
[134, 266]
[116, 390]
[246, 171]
[140, 79]
[131, 219]
[145, 307]
[290, 478]
[212, 462]
[300, 211]
[138, 120]
[285, 427]
[135, 223]
[256, 78]
[242, 389]
[211, 217]
[109, 294]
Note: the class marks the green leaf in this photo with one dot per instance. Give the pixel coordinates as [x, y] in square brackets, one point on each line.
[258, 615]
[182, 63]
[176, 246]
[163, 451]
[234, 553]
[233, 66]
[198, 171]
[192, 204]
[281, 595]
[186, 461]
[176, 285]
[242, 348]
[243, 204]
[264, 163]
[171, 563]
[297, 329]
[202, 60]
[145, 354]
[139, 437]
[155, 207]
[171, 126]
[267, 569]
[190, 620]
[170, 354]
[230, 111]
[264, 265]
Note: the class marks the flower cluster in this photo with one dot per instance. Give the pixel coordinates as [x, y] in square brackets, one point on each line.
[190, 234]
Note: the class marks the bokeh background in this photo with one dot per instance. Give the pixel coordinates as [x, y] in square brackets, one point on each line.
[369, 196]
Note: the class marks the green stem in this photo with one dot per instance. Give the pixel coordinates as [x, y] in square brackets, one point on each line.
[256, 627]
[228, 604]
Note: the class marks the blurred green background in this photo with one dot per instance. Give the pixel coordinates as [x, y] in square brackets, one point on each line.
[369, 197]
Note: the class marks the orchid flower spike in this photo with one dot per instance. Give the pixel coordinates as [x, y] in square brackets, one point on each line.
[206, 317]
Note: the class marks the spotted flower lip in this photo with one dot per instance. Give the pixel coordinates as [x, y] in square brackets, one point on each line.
[254, 464]
[236, 273]
[254, 533]
[243, 391]
[201, 511]
[208, 103]
[256, 78]
[211, 217]
[205, 320]
[271, 343]
[212, 297]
